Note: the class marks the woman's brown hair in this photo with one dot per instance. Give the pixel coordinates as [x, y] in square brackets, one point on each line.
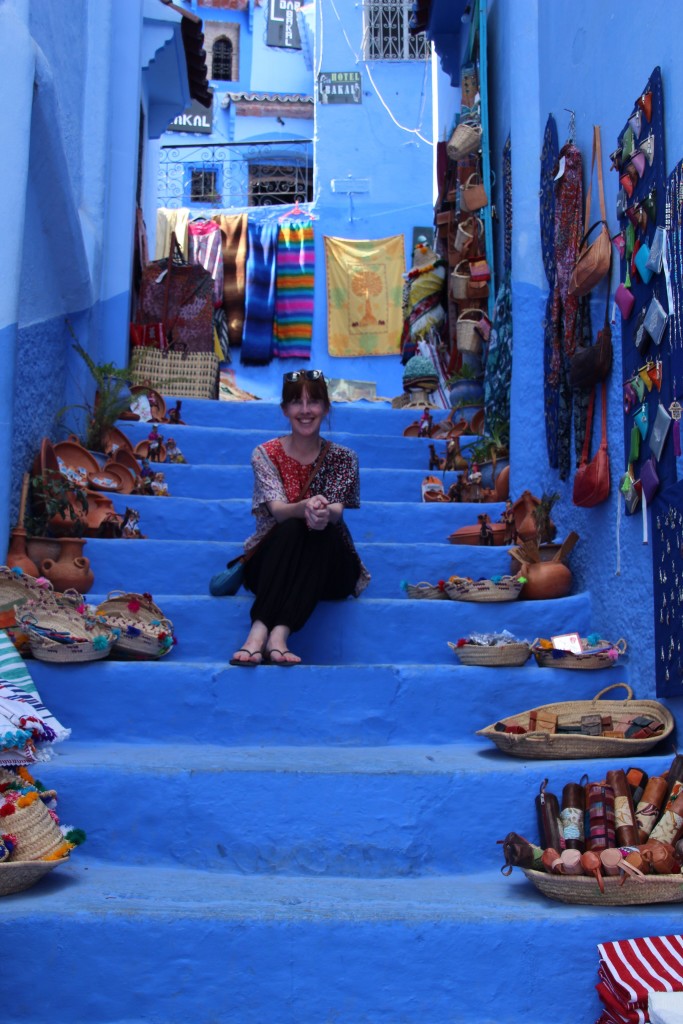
[295, 383]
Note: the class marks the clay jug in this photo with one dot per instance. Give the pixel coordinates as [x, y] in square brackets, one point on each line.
[99, 508]
[17, 555]
[71, 571]
[545, 580]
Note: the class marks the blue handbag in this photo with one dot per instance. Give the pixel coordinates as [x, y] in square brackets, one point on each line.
[228, 582]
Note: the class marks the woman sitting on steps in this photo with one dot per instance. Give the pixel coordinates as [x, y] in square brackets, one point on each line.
[302, 485]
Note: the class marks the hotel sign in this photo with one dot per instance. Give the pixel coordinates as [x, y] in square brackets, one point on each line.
[196, 119]
[283, 29]
[339, 87]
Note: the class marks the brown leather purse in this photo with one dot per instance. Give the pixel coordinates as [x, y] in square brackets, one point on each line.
[594, 260]
[592, 480]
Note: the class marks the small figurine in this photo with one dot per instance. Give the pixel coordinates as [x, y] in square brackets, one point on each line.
[155, 439]
[435, 461]
[426, 423]
[159, 485]
[174, 414]
[485, 530]
[508, 517]
[173, 452]
[145, 468]
[455, 490]
[454, 459]
[130, 527]
[474, 482]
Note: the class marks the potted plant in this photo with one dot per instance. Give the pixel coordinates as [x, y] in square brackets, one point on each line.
[112, 398]
[491, 453]
[58, 508]
[466, 387]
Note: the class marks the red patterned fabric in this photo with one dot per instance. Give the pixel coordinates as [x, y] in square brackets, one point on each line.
[633, 968]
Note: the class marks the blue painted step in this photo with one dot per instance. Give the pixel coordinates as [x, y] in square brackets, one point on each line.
[333, 704]
[209, 947]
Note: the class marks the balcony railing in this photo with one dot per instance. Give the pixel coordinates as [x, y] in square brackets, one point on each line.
[235, 174]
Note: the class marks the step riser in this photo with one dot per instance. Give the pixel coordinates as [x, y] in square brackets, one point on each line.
[369, 631]
[143, 564]
[217, 482]
[381, 971]
[231, 519]
[319, 822]
[337, 705]
[381, 450]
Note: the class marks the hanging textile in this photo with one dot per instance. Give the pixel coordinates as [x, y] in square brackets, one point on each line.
[498, 370]
[295, 260]
[234, 233]
[205, 248]
[423, 304]
[171, 222]
[257, 343]
[364, 295]
[567, 319]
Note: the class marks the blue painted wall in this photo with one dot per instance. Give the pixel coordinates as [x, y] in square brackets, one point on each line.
[545, 58]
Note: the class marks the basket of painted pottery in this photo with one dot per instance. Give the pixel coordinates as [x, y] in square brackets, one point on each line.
[142, 629]
[583, 728]
[62, 631]
[425, 591]
[496, 650]
[596, 653]
[498, 588]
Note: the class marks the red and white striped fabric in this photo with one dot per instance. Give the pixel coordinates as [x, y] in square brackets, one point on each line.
[631, 969]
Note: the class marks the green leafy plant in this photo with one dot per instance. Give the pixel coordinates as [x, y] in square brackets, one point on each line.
[51, 496]
[111, 397]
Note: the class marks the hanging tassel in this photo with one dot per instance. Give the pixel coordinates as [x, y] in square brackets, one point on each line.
[676, 434]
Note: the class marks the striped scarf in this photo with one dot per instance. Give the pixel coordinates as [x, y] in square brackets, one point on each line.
[294, 298]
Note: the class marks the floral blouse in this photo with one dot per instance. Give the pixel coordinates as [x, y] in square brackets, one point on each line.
[279, 477]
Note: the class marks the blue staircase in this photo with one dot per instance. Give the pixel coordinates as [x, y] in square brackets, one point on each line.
[316, 846]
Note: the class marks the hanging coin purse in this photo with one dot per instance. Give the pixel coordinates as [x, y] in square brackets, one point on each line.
[638, 386]
[656, 320]
[619, 243]
[649, 479]
[641, 418]
[625, 301]
[630, 237]
[645, 104]
[628, 144]
[636, 122]
[641, 259]
[627, 183]
[622, 203]
[660, 431]
[629, 397]
[656, 258]
[647, 146]
[630, 489]
[641, 339]
[634, 448]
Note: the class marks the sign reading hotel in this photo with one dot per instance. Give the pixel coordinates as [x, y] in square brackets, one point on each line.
[283, 29]
[339, 87]
[196, 119]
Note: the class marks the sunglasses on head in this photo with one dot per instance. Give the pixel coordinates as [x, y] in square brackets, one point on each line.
[294, 375]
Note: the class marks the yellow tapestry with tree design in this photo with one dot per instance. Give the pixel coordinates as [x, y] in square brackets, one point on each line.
[364, 295]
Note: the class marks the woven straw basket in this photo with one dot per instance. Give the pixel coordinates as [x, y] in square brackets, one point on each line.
[142, 630]
[585, 890]
[466, 138]
[16, 877]
[544, 746]
[61, 617]
[485, 591]
[36, 832]
[548, 658]
[503, 656]
[428, 591]
[15, 590]
[468, 338]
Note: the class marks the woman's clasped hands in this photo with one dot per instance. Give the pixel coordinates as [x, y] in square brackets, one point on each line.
[316, 512]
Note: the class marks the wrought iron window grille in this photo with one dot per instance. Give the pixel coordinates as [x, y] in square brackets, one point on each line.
[386, 32]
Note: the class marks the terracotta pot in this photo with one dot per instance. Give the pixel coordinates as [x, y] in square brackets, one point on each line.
[71, 570]
[17, 555]
[40, 548]
[99, 508]
[546, 580]
[546, 551]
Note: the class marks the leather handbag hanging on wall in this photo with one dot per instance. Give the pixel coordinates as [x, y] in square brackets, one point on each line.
[591, 364]
[592, 481]
[473, 194]
[594, 260]
[178, 295]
